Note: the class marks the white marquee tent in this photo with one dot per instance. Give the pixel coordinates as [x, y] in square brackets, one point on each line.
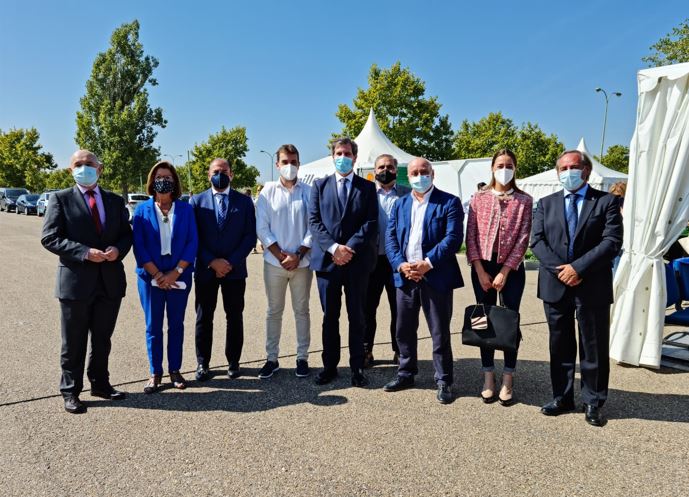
[545, 183]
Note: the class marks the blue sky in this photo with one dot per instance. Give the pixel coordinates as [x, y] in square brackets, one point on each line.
[281, 68]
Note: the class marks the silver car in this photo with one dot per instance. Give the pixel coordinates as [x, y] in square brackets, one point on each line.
[42, 204]
[134, 199]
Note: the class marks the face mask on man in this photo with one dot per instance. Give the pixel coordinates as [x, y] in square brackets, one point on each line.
[85, 175]
[503, 176]
[343, 165]
[386, 177]
[288, 171]
[571, 179]
[220, 180]
[163, 185]
[421, 183]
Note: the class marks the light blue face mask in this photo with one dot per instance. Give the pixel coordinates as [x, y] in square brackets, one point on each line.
[571, 179]
[85, 176]
[343, 165]
[421, 183]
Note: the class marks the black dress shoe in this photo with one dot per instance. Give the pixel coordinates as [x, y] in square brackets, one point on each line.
[399, 383]
[73, 405]
[202, 374]
[445, 395]
[358, 379]
[233, 371]
[556, 407]
[107, 393]
[593, 415]
[325, 376]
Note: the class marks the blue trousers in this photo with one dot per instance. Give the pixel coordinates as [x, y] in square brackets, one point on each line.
[155, 302]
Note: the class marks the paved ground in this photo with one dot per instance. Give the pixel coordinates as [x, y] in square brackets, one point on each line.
[286, 436]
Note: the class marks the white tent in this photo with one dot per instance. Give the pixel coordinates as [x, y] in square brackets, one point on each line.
[545, 183]
[656, 209]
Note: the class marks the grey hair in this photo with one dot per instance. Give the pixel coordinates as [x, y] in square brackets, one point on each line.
[384, 156]
[585, 161]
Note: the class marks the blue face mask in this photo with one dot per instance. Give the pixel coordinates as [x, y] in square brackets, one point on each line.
[220, 181]
[571, 179]
[421, 183]
[343, 165]
[85, 176]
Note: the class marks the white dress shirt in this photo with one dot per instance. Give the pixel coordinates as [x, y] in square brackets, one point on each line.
[414, 251]
[165, 228]
[282, 217]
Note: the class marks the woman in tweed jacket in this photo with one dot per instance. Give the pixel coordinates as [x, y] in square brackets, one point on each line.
[497, 237]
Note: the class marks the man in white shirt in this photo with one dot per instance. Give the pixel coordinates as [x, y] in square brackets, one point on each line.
[282, 225]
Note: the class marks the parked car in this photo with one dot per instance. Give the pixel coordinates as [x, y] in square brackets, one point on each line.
[134, 199]
[42, 204]
[9, 196]
[26, 204]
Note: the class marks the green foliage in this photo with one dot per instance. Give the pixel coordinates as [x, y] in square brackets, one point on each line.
[616, 157]
[116, 121]
[672, 48]
[59, 179]
[230, 144]
[536, 152]
[22, 163]
[411, 121]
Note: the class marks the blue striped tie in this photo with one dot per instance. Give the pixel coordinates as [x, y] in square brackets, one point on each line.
[572, 220]
[222, 208]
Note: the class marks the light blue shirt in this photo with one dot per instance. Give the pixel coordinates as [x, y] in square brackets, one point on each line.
[386, 201]
[579, 197]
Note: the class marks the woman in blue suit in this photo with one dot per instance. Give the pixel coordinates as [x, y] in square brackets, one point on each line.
[165, 244]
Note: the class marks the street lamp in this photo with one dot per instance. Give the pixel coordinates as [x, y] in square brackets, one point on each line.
[272, 166]
[605, 118]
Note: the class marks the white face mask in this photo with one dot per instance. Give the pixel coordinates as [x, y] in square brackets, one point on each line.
[289, 171]
[503, 176]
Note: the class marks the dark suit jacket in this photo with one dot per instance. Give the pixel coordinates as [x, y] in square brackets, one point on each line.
[597, 241]
[69, 231]
[184, 243]
[234, 242]
[356, 227]
[443, 227]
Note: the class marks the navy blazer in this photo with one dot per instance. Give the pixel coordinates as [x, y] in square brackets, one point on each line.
[183, 245]
[356, 227]
[442, 237]
[597, 241]
[69, 231]
[234, 242]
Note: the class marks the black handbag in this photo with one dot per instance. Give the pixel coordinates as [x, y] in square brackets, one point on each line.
[491, 326]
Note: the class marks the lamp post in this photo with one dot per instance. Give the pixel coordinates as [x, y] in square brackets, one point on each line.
[272, 165]
[605, 118]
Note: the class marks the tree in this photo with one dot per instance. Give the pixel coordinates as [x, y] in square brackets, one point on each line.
[59, 179]
[230, 144]
[22, 161]
[411, 121]
[536, 152]
[617, 158]
[116, 121]
[672, 48]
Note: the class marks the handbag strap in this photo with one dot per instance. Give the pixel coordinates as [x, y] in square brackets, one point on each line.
[502, 304]
[476, 307]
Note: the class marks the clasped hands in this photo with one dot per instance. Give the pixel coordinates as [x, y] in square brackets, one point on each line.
[414, 270]
[568, 275]
[342, 255]
[110, 254]
[168, 280]
[221, 267]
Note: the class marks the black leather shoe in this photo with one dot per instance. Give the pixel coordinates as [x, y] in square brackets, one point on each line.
[358, 379]
[593, 415]
[108, 393]
[233, 371]
[202, 374]
[556, 407]
[445, 395]
[73, 405]
[325, 376]
[368, 360]
[399, 383]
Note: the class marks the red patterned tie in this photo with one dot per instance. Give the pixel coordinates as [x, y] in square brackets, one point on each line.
[94, 210]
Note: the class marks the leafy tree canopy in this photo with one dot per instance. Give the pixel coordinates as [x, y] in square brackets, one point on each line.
[673, 48]
[617, 158]
[22, 161]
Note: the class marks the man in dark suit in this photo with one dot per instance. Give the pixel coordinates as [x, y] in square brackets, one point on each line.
[576, 234]
[423, 236]
[226, 223]
[343, 217]
[388, 191]
[88, 228]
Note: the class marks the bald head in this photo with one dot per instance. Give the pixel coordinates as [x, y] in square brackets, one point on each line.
[419, 166]
[84, 158]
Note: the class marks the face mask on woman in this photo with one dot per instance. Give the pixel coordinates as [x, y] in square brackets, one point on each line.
[163, 185]
[503, 175]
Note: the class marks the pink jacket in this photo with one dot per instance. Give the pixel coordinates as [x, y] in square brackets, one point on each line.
[513, 221]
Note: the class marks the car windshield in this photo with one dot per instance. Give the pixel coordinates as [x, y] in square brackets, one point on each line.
[15, 192]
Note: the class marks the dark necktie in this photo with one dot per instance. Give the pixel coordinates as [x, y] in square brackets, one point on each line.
[342, 194]
[572, 220]
[222, 208]
[93, 205]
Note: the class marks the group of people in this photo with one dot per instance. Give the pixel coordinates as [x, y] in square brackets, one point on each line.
[359, 236]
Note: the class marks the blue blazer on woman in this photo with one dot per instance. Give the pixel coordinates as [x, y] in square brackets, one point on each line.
[184, 242]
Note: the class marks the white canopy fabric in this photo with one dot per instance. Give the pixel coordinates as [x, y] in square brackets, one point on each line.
[656, 209]
[545, 183]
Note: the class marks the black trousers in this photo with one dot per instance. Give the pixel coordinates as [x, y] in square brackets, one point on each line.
[233, 303]
[96, 317]
[594, 339]
[437, 307]
[330, 286]
[379, 280]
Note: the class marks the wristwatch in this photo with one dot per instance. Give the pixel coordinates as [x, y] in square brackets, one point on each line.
[179, 269]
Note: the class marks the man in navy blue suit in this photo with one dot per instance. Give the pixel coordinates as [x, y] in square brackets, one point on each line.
[343, 219]
[423, 236]
[576, 234]
[226, 223]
